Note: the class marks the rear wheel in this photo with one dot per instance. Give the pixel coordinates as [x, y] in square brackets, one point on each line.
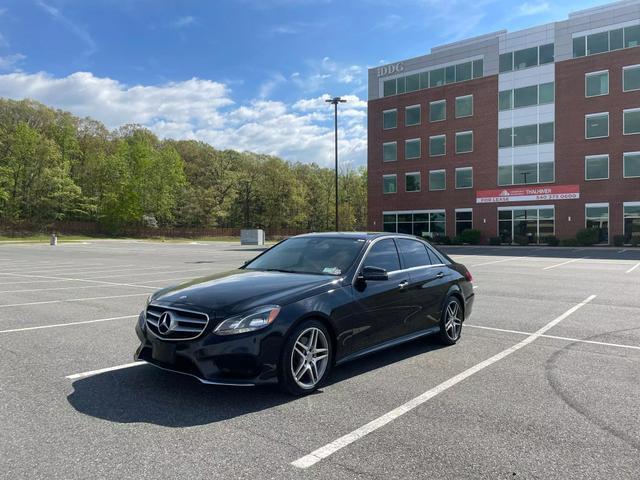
[306, 358]
[451, 321]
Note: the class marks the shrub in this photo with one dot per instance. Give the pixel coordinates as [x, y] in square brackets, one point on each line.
[587, 236]
[471, 236]
[635, 241]
[457, 240]
[495, 241]
[521, 240]
[569, 242]
[618, 240]
[551, 240]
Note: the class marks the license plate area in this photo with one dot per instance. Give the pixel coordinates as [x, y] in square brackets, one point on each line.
[164, 353]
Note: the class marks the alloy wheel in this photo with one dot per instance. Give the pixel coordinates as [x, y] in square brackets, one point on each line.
[309, 357]
[453, 322]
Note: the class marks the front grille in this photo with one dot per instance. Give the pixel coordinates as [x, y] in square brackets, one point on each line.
[179, 324]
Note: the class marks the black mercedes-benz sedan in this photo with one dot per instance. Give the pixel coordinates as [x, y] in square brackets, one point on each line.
[303, 306]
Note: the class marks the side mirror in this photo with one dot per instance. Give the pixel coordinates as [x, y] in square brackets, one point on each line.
[373, 274]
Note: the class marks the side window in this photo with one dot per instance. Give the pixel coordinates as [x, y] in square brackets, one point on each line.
[414, 253]
[383, 254]
[435, 258]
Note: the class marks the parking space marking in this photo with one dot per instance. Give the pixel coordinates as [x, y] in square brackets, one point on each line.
[89, 280]
[569, 339]
[76, 376]
[110, 284]
[40, 327]
[84, 299]
[331, 448]
[495, 261]
[633, 268]
[564, 263]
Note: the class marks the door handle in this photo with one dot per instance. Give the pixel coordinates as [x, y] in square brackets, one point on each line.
[440, 275]
[403, 284]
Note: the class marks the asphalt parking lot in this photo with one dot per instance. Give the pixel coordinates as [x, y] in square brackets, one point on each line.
[545, 382]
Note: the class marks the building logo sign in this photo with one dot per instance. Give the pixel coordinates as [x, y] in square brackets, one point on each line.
[527, 194]
[391, 69]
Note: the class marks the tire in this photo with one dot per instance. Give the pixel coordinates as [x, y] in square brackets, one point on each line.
[451, 321]
[306, 359]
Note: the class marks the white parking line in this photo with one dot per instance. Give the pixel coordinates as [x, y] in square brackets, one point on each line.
[633, 268]
[569, 339]
[495, 261]
[564, 263]
[110, 284]
[76, 376]
[40, 327]
[87, 280]
[85, 299]
[331, 448]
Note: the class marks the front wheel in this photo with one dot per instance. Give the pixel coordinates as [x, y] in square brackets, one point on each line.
[451, 321]
[306, 359]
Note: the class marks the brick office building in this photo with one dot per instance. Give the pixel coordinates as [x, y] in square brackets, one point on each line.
[535, 132]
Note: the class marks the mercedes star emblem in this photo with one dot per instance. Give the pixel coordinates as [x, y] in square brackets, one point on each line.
[165, 323]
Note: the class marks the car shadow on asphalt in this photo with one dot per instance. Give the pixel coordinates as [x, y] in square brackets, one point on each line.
[145, 394]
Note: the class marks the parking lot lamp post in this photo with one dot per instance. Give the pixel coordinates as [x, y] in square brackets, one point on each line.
[335, 101]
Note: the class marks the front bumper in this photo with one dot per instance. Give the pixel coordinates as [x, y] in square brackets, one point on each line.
[237, 360]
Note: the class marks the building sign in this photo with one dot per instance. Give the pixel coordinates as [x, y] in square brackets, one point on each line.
[526, 194]
[391, 69]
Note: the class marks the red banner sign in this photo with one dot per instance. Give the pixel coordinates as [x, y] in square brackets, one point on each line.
[527, 194]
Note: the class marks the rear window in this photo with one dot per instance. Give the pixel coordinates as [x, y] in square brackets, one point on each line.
[413, 253]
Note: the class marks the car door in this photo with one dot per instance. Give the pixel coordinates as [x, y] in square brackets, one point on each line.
[428, 282]
[381, 306]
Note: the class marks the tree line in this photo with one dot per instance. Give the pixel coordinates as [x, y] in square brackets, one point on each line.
[55, 166]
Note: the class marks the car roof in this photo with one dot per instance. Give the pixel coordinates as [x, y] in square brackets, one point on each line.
[355, 235]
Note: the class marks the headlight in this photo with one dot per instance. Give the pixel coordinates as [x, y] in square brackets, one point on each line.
[249, 322]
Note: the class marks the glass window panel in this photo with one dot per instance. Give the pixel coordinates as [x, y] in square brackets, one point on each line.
[389, 87]
[463, 72]
[525, 58]
[389, 152]
[616, 39]
[594, 213]
[464, 216]
[597, 126]
[632, 165]
[401, 84]
[437, 216]
[389, 218]
[436, 77]
[420, 217]
[412, 148]
[437, 145]
[631, 79]
[383, 254]
[413, 82]
[414, 253]
[389, 119]
[450, 74]
[412, 116]
[526, 173]
[505, 100]
[632, 211]
[597, 43]
[405, 217]
[464, 142]
[597, 168]
[438, 111]
[412, 182]
[505, 137]
[546, 133]
[632, 36]
[579, 47]
[389, 227]
[405, 228]
[464, 177]
[506, 62]
[546, 172]
[525, 135]
[505, 214]
[437, 180]
[546, 53]
[478, 68]
[505, 175]
[424, 80]
[545, 213]
[597, 84]
[546, 93]
[464, 106]
[389, 184]
[632, 122]
[525, 96]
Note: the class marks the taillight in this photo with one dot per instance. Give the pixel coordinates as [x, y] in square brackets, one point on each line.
[468, 276]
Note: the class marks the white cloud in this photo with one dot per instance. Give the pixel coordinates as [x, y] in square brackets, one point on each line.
[528, 8]
[271, 84]
[204, 110]
[183, 22]
[329, 70]
[76, 29]
[9, 62]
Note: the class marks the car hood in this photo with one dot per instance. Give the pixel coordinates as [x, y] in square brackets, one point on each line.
[236, 291]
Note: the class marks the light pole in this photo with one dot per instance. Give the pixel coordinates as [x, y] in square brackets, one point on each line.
[335, 101]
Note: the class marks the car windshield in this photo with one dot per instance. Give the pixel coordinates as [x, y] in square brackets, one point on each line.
[315, 255]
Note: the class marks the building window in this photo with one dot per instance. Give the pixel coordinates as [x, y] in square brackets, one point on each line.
[546, 53]
[437, 145]
[631, 121]
[464, 177]
[389, 119]
[631, 78]
[596, 84]
[412, 148]
[412, 182]
[506, 62]
[412, 82]
[389, 152]
[389, 184]
[412, 115]
[525, 58]
[632, 165]
[546, 93]
[389, 88]
[464, 106]
[437, 180]
[606, 41]
[579, 47]
[597, 43]
[505, 137]
[525, 135]
[597, 125]
[631, 221]
[464, 142]
[632, 36]
[535, 223]
[546, 132]
[541, 171]
[438, 111]
[429, 223]
[505, 100]
[525, 96]
[464, 220]
[597, 216]
[596, 167]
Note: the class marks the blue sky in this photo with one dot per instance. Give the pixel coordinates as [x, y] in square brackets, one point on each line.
[244, 74]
